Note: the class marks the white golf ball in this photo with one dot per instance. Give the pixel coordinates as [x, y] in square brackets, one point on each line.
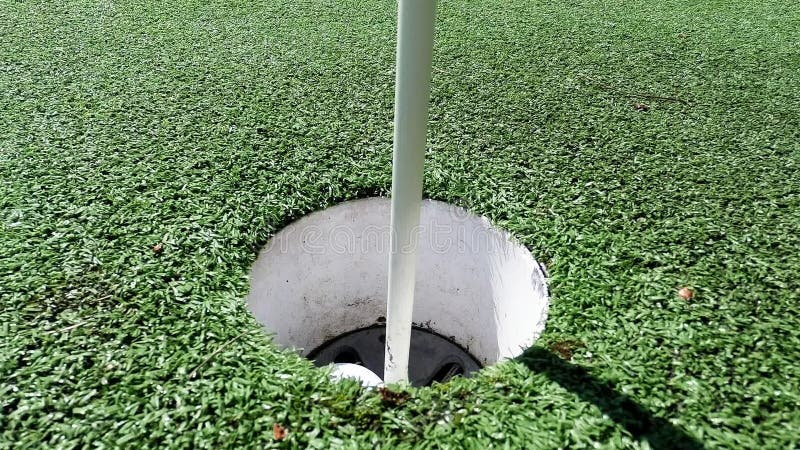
[366, 377]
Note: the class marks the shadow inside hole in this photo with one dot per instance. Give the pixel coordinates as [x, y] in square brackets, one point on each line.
[433, 358]
[639, 422]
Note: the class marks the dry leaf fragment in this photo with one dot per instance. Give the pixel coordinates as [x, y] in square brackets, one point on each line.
[279, 432]
[393, 398]
[686, 293]
[566, 348]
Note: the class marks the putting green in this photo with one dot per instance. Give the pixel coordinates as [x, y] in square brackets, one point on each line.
[149, 150]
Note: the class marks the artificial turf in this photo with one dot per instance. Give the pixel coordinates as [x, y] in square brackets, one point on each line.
[634, 146]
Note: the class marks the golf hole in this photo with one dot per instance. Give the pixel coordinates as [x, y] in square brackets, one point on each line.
[320, 286]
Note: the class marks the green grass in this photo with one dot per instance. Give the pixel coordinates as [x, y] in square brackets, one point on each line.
[209, 125]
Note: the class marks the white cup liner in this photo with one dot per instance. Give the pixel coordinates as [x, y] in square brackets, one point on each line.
[326, 274]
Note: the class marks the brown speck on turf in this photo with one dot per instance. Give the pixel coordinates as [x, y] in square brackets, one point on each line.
[279, 432]
[393, 398]
[565, 348]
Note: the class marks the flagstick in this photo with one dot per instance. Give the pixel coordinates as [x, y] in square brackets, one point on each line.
[412, 92]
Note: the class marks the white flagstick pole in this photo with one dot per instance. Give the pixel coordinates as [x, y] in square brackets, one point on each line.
[412, 93]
